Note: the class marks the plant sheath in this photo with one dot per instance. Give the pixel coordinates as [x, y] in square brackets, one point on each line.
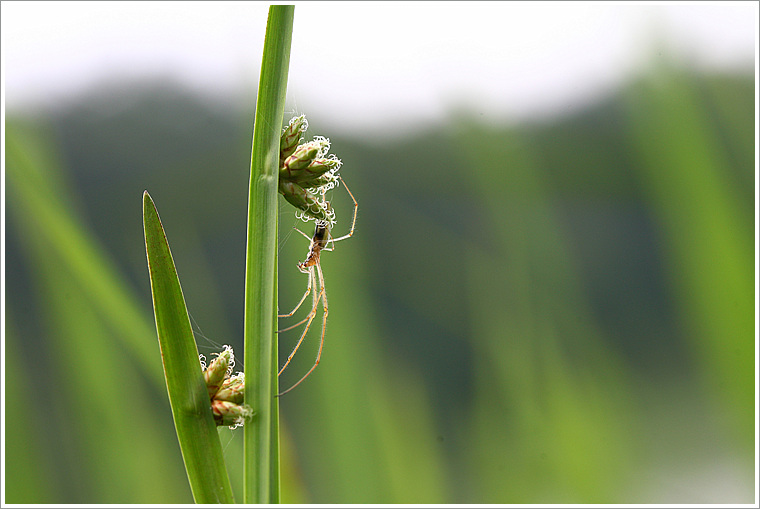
[261, 444]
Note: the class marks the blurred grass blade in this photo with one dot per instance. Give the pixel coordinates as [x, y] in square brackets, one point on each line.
[87, 321]
[707, 234]
[44, 200]
[262, 449]
[23, 451]
[196, 431]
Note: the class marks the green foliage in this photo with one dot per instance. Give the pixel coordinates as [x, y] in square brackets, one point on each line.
[261, 454]
[93, 347]
[545, 313]
[188, 394]
[708, 236]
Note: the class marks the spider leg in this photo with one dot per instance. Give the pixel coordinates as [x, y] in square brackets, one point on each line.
[309, 318]
[353, 221]
[300, 302]
[302, 233]
[312, 313]
[322, 339]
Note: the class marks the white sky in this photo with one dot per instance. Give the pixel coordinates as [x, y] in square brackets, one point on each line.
[371, 66]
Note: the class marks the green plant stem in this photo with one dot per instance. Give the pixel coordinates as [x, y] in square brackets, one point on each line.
[261, 445]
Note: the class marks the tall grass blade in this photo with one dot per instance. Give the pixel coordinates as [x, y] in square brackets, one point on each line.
[196, 431]
[261, 449]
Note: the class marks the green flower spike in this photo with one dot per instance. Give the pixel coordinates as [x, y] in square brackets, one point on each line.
[319, 173]
[230, 414]
[232, 390]
[291, 136]
[307, 202]
[307, 172]
[226, 392]
[219, 369]
[294, 166]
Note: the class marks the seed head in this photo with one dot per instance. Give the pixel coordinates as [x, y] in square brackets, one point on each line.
[310, 205]
[233, 389]
[230, 414]
[291, 136]
[219, 369]
[306, 172]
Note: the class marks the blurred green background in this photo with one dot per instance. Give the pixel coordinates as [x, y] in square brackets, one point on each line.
[542, 312]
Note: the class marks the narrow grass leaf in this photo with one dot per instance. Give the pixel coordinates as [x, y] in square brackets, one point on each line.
[196, 431]
[261, 446]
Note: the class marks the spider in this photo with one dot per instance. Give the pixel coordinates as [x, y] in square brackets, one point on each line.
[316, 284]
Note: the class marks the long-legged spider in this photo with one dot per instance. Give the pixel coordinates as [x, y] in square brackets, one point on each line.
[316, 285]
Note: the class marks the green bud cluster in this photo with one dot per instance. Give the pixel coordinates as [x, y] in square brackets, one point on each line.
[307, 171]
[232, 390]
[230, 414]
[291, 136]
[226, 391]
